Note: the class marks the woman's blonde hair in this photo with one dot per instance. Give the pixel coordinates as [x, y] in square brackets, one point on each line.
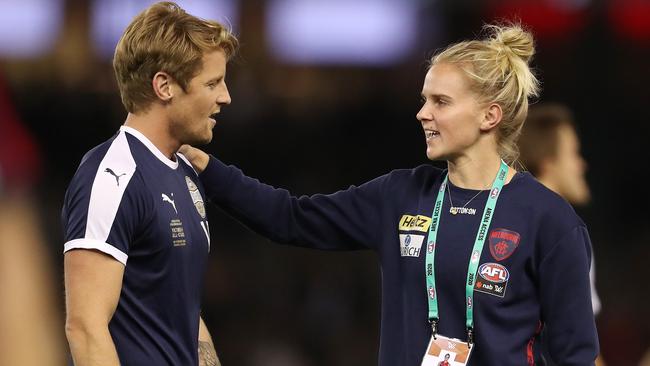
[164, 38]
[498, 70]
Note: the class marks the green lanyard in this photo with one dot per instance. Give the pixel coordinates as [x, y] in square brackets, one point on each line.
[488, 212]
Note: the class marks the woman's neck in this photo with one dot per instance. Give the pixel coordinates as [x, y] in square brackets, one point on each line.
[476, 171]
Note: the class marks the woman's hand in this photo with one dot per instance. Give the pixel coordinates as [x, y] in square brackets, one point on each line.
[198, 158]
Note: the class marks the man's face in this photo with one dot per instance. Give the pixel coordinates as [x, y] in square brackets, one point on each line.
[192, 111]
[569, 168]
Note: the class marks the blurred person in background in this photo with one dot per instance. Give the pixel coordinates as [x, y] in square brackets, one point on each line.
[645, 360]
[550, 150]
[491, 304]
[133, 198]
[30, 326]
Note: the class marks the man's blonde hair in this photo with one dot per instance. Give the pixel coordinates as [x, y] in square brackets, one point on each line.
[498, 70]
[164, 38]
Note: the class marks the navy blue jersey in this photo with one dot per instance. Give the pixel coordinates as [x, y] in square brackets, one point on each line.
[131, 202]
[533, 272]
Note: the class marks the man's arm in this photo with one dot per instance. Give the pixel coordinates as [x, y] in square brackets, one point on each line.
[93, 282]
[207, 354]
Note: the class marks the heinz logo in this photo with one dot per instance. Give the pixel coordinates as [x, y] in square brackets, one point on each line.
[494, 272]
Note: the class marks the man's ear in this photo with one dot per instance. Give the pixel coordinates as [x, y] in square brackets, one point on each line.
[162, 86]
[491, 117]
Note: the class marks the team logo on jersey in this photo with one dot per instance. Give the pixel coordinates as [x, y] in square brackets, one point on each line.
[196, 196]
[493, 279]
[166, 198]
[503, 243]
[117, 176]
[410, 244]
[414, 223]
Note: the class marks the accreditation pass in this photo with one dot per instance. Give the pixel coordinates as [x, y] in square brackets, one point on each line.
[443, 351]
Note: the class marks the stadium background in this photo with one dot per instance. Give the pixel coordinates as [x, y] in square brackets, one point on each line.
[324, 96]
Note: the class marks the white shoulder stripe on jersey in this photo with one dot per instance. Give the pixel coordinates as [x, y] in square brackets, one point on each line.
[187, 162]
[146, 142]
[98, 245]
[113, 176]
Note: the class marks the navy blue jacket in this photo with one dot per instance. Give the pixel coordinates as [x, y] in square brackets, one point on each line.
[534, 269]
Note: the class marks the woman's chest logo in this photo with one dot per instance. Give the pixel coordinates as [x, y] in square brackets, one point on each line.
[503, 243]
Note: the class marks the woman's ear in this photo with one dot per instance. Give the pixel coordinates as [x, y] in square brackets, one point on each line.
[492, 117]
[161, 84]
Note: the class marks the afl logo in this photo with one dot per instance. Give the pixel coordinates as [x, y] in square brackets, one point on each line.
[407, 240]
[475, 256]
[494, 193]
[494, 272]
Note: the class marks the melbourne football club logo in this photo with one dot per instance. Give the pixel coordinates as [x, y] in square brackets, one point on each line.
[503, 243]
[196, 196]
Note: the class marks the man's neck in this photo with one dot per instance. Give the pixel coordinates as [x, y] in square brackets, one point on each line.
[156, 129]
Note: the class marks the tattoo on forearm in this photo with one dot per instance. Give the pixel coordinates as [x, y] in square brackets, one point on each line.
[207, 355]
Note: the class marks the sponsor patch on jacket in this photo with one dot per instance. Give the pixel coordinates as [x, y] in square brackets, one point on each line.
[503, 243]
[414, 223]
[410, 245]
[492, 279]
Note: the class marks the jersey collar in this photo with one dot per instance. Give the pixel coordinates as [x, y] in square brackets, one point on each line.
[146, 142]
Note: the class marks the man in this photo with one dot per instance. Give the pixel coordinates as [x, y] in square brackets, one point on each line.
[137, 237]
[550, 150]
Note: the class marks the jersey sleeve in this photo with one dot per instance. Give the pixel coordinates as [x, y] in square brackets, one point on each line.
[566, 300]
[346, 220]
[104, 204]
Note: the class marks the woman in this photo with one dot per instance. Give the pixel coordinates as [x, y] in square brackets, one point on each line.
[479, 252]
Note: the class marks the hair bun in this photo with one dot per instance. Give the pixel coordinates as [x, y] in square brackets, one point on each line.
[513, 38]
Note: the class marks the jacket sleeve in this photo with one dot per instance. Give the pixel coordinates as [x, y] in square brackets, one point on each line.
[345, 220]
[566, 300]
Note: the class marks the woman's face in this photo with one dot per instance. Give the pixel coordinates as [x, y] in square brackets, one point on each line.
[451, 115]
